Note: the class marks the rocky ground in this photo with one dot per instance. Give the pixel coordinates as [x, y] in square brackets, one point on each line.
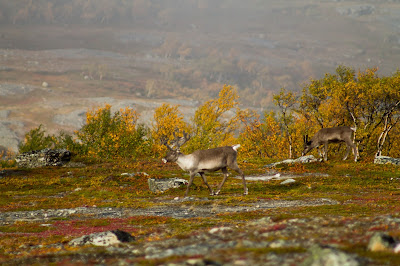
[261, 232]
[262, 241]
[214, 230]
[176, 208]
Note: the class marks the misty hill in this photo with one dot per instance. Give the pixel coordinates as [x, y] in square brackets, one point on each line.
[142, 53]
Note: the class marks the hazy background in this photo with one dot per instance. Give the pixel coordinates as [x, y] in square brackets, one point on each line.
[59, 58]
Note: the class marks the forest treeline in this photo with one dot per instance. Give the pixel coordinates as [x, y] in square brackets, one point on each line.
[363, 100]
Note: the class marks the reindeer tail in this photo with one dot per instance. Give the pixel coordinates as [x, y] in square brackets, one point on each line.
[235, 147]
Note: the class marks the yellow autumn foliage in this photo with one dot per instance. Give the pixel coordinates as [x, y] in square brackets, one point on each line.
[110, 135]
[167, 121]
[217, 122]
[362, 100]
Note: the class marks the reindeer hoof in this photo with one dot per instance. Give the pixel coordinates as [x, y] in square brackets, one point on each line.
[217, 192]
[246, 192]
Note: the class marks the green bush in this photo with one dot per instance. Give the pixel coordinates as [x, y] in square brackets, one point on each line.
[107, 135]
[36, 139]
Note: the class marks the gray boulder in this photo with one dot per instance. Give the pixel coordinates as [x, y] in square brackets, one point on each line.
[103, 239]
[45, 157]
[302, 159]
[163, 184]
[386, 160]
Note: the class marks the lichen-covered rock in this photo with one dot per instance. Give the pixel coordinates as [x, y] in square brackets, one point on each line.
[302, 159]
[45, 157]
[103, 238]
[163, 184]
[386, 160]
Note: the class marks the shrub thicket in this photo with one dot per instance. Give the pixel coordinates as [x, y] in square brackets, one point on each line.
[111, 135]
[365, 101]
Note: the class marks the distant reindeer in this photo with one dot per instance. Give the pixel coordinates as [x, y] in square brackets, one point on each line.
[202, 161]
[331, 135]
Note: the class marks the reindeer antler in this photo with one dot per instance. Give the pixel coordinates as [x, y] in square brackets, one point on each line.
[164, 141]
[182, 140]
[177, 142]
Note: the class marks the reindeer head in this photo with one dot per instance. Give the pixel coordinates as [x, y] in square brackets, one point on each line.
[307, 145]
[174, 149]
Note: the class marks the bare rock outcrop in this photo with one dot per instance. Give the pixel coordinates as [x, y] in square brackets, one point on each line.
[163, 184]
[103, 239]
[45, 157]
[302, 159]
[386, 160]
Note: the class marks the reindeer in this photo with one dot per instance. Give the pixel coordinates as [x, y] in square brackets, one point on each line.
[331, 135]
[202, 161]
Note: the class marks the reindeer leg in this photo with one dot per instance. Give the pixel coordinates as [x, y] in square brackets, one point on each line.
[326, 152]
[190, 183]
[320, 152]
[240, 172]
[205, 182]
[347, 152]
[225, 171]
[236, 168]
[355, 151]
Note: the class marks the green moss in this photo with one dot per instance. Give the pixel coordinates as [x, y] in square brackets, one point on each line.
[24, 227]
[242, 216]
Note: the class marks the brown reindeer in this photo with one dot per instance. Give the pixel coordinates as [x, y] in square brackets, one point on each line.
[331, 135]
[202, 161]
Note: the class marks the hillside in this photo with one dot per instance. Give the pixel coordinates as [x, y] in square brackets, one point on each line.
[180, 52]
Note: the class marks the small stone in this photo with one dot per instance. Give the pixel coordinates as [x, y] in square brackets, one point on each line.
[288, 181]
[46, 225]
[195, 262]
[277, 244]
[219, 229]
[240, 262]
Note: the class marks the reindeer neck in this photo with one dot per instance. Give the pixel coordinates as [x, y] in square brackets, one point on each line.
[185, 161]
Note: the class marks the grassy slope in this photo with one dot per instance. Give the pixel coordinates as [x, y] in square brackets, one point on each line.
[363, 190]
